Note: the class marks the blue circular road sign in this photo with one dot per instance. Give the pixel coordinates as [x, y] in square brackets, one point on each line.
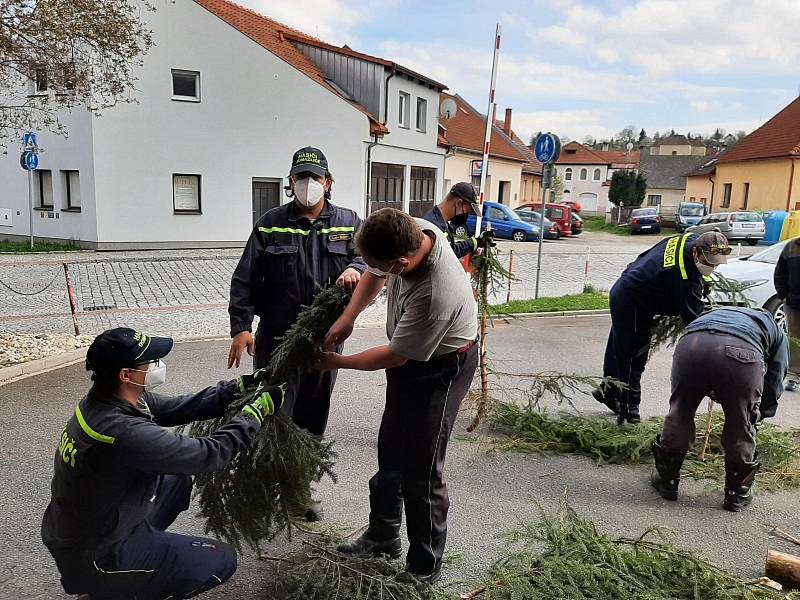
[30, 161]
[547, 148]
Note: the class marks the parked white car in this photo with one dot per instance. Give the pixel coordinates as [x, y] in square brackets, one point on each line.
[755, 273]
[736, 226]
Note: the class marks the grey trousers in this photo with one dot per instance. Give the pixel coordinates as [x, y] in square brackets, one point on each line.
[793, 324]
[734, 370]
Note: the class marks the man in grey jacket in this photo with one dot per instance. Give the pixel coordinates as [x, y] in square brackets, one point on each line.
[120, 478]
[739, 355]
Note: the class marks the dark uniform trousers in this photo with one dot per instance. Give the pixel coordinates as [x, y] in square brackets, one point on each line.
[152, 564]
[628, 344]
[734, 370]
[422, 402]
[307, 401]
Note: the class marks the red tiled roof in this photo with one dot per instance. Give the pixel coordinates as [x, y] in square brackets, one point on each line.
[467, 130]
[620, 158]
[779, 137]
[274, 37]
[575, 153]
[532, 166]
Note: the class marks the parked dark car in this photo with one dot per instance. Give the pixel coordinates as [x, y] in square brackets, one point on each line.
[535, 218]
[504, 222]
[577, 224]
[644, 220]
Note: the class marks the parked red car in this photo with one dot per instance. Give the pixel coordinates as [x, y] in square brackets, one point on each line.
[560, 214]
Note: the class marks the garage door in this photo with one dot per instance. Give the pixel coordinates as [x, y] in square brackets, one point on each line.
[588, 201]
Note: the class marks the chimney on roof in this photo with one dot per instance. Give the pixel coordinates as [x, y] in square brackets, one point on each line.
[507, 123]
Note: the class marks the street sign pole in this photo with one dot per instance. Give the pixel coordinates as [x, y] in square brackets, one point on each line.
[30, 204]
[547, 150]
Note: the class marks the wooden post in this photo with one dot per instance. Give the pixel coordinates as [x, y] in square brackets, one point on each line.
[707, 434]
[783, 568]
[484, 369]
[71, 294]
[510, 274]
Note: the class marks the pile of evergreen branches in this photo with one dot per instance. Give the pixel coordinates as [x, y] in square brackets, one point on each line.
[319, 572]
[268, 487]
[564, 556]
[603, 440]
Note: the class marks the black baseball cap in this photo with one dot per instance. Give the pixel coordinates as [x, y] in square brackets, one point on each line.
[466, 192]
[714, 246]
[309, 160]
[122, 348]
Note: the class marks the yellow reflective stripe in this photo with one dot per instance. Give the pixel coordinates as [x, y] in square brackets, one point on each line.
[680, 256]
[252, 412]
[106, 439]
[284, 230]
[336, 230]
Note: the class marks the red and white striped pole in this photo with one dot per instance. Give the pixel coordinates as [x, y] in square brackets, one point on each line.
[488, 137]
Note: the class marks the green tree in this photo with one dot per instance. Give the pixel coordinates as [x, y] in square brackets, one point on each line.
[627, 134]
[62, 54]
[642, 134]
[557, 191]
[628, 188]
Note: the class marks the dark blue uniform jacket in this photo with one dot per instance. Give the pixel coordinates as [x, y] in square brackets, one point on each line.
[111, 455]
[460, 247]
[664, 280]
[758, 328]
[286, 261]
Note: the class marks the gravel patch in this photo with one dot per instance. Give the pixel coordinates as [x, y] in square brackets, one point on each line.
[20, 348]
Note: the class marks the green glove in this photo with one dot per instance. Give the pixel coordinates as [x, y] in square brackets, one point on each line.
[249, 383]
[266, 401]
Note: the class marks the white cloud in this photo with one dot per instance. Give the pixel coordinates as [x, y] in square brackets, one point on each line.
[333, 21]
[575, 124]
[661, 37]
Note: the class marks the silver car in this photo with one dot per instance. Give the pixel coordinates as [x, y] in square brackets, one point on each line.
[739, 226]
[755, 274]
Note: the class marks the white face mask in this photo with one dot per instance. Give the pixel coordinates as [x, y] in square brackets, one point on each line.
[704, 268]
[381, 273]
[309, 191]
[155, 375]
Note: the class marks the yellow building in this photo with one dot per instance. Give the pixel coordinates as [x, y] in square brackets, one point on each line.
[700, 183]
[678, 145]
[762, 172]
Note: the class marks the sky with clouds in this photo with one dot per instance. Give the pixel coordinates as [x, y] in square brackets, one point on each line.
[581, 67]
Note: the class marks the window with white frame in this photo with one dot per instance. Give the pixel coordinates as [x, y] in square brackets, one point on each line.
[422, 114]
[186, 85]
[44, 189]
[584, 174]
[568, 174]
[404, 110]
[654, 200]
[186, 193]
[596, 175]
[72, 190]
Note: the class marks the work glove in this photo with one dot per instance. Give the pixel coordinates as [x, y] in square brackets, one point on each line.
[249, 383]
[266, 401]
[486, 239]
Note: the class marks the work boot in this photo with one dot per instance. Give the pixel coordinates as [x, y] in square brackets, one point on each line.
[668, 469]
[607, 394]
[739, 479]
[314, 512]
[429, 578]
[629, 413]
[377, 540]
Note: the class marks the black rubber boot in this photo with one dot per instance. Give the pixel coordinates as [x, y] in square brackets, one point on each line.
[314, 512]
[628, 413]
[608, 395]
[668, 470]
[376, 541]
[739, 479]
[429, 578]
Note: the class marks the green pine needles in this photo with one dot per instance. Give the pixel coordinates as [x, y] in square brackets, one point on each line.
[267, 487]
[565, 557]
[604, 441]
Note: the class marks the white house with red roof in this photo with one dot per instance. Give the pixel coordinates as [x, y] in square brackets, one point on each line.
[223, 100]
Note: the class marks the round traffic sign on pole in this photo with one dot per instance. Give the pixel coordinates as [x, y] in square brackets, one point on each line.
[29, 160]
[547, 148]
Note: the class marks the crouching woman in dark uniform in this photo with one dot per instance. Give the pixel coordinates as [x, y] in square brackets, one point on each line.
[121, 478]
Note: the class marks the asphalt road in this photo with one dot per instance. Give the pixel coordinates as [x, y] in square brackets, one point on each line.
[490, 492]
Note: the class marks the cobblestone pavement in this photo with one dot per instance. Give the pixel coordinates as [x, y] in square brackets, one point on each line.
[185, 292]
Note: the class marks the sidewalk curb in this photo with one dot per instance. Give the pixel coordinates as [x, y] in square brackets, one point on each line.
[30, 368]
[561, 313]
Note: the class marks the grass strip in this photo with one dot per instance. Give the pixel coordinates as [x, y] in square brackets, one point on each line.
[536, 431]
[585, 301]
[25, 247]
